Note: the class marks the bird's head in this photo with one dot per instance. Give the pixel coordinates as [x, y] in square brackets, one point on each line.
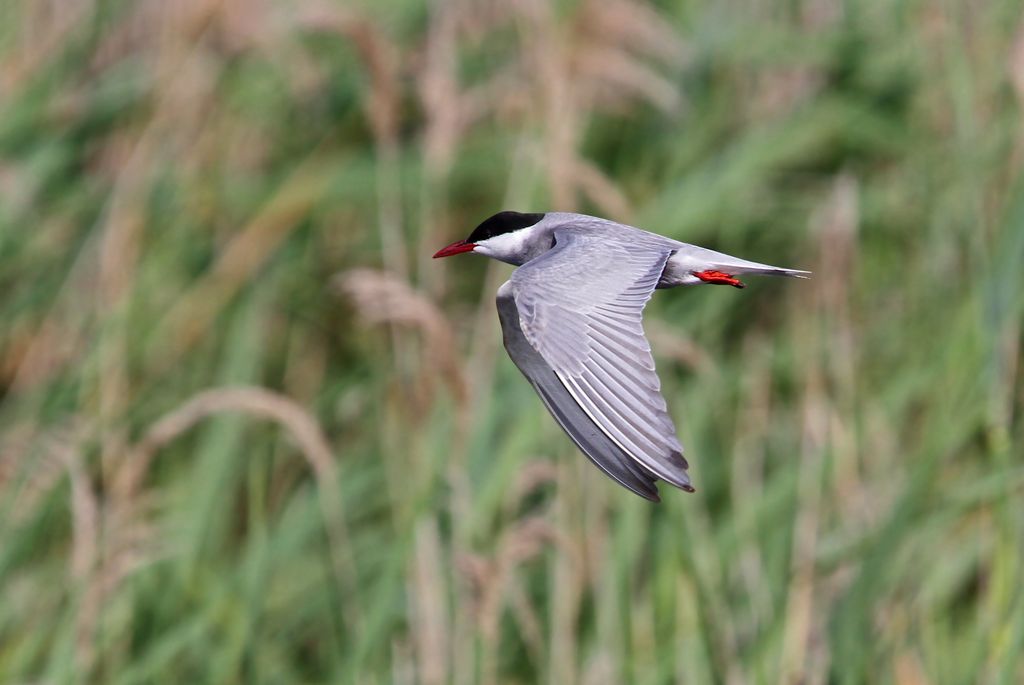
[511, 237]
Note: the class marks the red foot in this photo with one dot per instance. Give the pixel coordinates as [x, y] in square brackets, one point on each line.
[719, 278]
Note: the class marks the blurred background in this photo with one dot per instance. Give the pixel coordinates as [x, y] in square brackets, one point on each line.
[251, 433]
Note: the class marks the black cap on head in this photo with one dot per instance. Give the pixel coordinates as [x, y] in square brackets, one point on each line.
[502, 222]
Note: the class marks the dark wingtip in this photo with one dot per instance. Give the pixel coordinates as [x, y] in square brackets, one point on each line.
[649, 491]
[678, 477]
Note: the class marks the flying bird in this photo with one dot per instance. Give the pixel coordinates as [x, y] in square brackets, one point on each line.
[571, 318]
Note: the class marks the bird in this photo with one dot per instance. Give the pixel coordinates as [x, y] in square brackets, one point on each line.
[571, 320]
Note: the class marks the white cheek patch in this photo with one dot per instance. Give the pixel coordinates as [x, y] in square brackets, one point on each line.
[506, 243]
[507, 247]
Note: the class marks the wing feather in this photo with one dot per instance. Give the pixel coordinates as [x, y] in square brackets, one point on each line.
[594, 443]
[580, 307]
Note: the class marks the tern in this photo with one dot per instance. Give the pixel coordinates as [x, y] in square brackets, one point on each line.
[571, 318]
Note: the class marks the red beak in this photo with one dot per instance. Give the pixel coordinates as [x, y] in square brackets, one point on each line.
[458, 247]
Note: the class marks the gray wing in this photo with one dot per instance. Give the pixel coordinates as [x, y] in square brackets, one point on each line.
[580, 308]
[605, 454]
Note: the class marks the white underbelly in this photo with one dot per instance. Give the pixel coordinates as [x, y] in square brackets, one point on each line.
[679, 271]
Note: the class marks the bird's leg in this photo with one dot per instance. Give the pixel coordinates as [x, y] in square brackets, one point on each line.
[719, 278]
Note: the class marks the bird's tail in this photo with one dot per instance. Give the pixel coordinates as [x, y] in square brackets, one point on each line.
[735, 266]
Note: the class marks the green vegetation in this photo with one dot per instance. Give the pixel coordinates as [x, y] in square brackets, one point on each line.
[251, 433]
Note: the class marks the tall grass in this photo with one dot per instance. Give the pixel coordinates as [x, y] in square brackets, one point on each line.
[250, 432]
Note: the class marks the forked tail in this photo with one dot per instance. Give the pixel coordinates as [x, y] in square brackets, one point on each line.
[719, 261]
